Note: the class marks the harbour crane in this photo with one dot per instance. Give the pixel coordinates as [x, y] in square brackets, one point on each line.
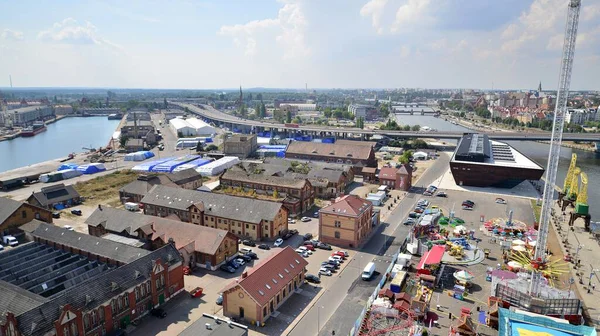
[562, 95]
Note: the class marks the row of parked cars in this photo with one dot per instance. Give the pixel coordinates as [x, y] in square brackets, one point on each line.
[245, 255]
[328, 267]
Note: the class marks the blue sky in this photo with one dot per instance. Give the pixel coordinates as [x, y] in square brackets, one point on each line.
[287, 43]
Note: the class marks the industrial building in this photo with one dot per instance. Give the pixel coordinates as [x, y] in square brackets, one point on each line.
[67, 283]
[481, 162]
[24, 116]
[191, 127]
[363, 111]
[354, 153]
[240, 145]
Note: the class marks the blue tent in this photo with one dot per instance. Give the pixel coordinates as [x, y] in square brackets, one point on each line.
[91, 168]
[147, 166]
[169, 166]
[66, 166]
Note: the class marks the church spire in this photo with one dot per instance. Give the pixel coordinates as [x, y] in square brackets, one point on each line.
[540, 87]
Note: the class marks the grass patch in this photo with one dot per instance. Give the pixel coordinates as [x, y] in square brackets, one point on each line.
[105, 187]
[537, 210]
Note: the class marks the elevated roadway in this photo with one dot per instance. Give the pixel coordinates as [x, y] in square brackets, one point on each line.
[213, 115]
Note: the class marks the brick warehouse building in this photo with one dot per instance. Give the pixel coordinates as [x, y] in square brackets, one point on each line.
[95, 293]
[347, 222]
[358, 154]
[244, 217]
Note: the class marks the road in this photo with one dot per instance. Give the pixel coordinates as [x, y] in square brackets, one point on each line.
[339, 307]
[215, 115]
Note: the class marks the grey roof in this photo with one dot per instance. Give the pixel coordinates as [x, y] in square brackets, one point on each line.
[99, 246]
[117, 220]
[96, 291]
[226, 206]
[319, 174]
[7, 208]
[140, 123]
[17, 300]
[219, 327]
[143, 184]
[184, 176]
[55, 194]
[241, 176]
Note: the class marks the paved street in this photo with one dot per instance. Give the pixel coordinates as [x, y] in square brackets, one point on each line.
[339, 306]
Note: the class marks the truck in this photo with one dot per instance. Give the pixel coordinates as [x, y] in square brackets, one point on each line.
[131, 206]
[10, 240]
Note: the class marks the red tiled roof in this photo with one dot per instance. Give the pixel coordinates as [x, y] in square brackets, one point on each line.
[388, 173]
[350, 205]
[266, 280]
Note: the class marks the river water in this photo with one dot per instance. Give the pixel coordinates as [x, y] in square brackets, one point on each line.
[589, 162]
[61, 138]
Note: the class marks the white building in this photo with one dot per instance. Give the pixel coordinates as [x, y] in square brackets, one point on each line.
[300, 107]
[63, 109]
[27, 115]
[420, 156]
[367, 112]
[191, 127]
[580, 116]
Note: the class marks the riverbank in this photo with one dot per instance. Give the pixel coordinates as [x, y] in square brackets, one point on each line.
[18, 132]
[571, 144]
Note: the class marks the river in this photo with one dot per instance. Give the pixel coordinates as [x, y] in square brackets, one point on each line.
[589, 162]
[65, 136]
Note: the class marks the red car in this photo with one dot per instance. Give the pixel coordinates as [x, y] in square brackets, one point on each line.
[196, 292]
[309, 247]
[339, 253]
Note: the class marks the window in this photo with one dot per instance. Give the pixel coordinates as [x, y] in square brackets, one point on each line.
[126, 300]
[94, 318]
[212, 219]
[113, 305]
[264, 311]
[337, 234]
[338, 224]
[148, 288]
[66, 331]
[137, 294]
[119, 305]
[74, 329]
[143, 290]
[37, 215]
[24, 214]
[219, 220]
[246, 226]
[101, 314]
[86, 322]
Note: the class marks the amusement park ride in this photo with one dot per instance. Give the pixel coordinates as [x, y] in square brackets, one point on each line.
[539, 263]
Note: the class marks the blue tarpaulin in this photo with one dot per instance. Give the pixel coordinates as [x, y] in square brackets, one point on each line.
[66, 166]
[147, 166]
[91, 168]
[169, 166]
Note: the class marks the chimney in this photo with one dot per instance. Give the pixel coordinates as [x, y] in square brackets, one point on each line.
[244, 275]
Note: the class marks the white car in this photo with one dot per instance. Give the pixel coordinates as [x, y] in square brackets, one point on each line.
[325, 271]
[304, 250]
[240, 261]
[278, 242]
[291, 221]
[500, 200]
[334, 260]
[305, 219]
[69, 227]
[338, 258]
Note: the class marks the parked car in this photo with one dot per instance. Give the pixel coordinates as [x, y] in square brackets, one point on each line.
[334, 260]
[264, 247]
[329, 267]
[291, 221]
[309, 247]
[293, 231]
[467, 207]
[246, 257]
[340, 259]
[308, 243]
[69, 227]
[413, 215]
[278, 242]
[56, 214]
[240, 261]
[219, 299]
[305, 219]
[252, 255]
[331, 262]
[339, 253]
[312, 278]
[442, 194]
[245, 250]
[233, 264]
[345, 253]
[409, 221]
[324, 271]
[248, 242]
[324, 246]
[500, 200]
[419, 210]
[158, 312]
[76, 212]
[316, 215]
[227, 268]
[308, 236]
[287, 236]
[468, 202]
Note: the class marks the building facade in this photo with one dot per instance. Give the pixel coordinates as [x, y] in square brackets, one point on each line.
[347, 222]
[56, 195]
[366, 112]
[63, 109]
[297, 194]
[244, 217]
[137, 129]
[356, 155]
[260, 292]
[14, 214]
[396, 178]
[24, 116]
[240, 145]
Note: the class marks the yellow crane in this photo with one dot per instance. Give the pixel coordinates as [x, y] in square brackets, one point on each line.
[574, 187]
[570, 172]
[581, 205]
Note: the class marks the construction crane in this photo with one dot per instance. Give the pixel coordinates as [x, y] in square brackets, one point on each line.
[574, 188]
[562, 95]
[569, 176]
[581, 204]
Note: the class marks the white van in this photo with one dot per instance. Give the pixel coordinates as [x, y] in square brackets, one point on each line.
[10, 241]
[368, 271]
[131, 206]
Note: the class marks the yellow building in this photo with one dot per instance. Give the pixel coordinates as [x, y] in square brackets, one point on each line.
[260, 291]
[347, 222]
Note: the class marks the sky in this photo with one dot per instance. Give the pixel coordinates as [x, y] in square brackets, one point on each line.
[210, 44]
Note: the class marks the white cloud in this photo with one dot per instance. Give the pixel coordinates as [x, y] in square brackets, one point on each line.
[289, 27]
[412, 12]
[589, 13]
[13, 35]
[509, 31]
[69, 31]
[374, 9]
[438, 44]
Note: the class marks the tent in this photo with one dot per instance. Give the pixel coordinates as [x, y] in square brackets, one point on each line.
[70, 173]
[66, 166]
[139, 156]
[147, 166]
[193, 164]
[169, 166]
[91, 168]
[217, 167]
[51, 177]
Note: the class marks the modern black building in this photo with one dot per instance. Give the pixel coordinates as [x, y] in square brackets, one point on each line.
[481, 162]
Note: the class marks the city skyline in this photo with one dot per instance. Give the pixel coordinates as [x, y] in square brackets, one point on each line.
[285, 44]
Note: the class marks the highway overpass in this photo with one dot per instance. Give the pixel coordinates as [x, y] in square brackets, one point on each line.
[213, 115]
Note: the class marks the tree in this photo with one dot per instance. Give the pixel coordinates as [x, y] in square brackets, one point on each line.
[327, 112]
[199, 146]
[288, 116]
[211, 148]
[338, 113]
[165, 103]
[406, 128]
[259, 97]
[279, 115]
[384, 110]
[243, 111]
[360, 122]
[415, 128]
[263, 110]
[123, 140]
